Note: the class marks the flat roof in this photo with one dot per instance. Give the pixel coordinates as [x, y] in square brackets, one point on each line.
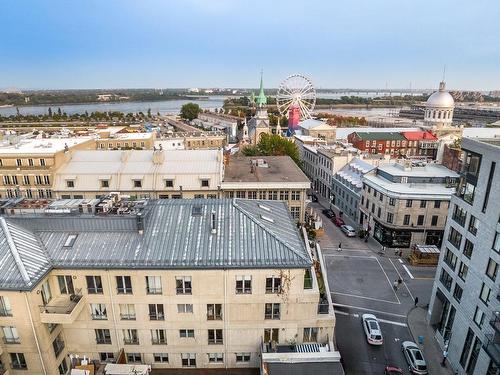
[305, 368]
[410, 190]
[279, 169]
[342, 133]
[41, 146]
[176, 234]
[378, 135]
[429, 170]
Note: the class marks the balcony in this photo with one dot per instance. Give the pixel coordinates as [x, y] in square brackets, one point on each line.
[131, 341]
[5, 312]
[492, 347]
[495, 321]
[158, 341]
[11, 340]
[63, 309]
[103, 340]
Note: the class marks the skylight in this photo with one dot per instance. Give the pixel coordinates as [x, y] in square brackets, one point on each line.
[267, 218]
[265, 208]
[197, 210]
[70, 240]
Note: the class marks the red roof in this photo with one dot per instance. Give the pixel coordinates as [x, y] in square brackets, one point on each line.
[419, 136]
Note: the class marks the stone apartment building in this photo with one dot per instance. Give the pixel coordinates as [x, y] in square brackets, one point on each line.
[176, 284]
[403, 204]
[27, 165]
[465, 303]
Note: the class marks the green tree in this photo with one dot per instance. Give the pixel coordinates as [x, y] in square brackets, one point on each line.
[274, 145]
[149, 112]
[50, 112]
[59, 111]
[190, 111]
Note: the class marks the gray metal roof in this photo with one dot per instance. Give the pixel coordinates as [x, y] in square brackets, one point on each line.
[249, 234]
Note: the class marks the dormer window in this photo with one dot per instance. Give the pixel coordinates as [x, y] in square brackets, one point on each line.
[105, 183]
[169, 183]
[70, 240]
[204, 182]
[70, 183]
[137, 183]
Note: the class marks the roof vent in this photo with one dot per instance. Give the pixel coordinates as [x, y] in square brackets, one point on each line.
[70, 240]
[267, 218]
[197, 210]
[213, 222]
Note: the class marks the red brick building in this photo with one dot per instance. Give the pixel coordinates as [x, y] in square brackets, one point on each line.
[421, 143]
[390, 143]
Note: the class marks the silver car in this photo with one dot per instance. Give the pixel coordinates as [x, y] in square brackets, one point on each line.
[348, 230]
[415, 358]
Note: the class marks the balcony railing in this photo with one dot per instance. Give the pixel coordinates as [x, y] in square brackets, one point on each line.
[492, 347]
[18, 366]
[323, 308]
[158, 341]
[127, 316]
[103, 340]
[131, 341]
[12, 340]
[214, 316]
[5, 312]
[62, 309]
[495, 321]
[99, 317]
[153, 290]
[94, 290]
[156, 316]
[124, 290]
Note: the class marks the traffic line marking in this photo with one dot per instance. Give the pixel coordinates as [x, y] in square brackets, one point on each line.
[366, 309]
[389, 281]
[355, 315]
[408, 272]
[400, 260]
[370, 298]
[392, 322]
[350, 256]
[342, 313]
[404, 283]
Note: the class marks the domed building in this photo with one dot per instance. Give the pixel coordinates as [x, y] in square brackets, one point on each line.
[439, 108]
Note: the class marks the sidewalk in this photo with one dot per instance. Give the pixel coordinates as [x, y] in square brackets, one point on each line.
[433, 354]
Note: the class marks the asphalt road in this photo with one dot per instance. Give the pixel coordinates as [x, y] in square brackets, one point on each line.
[361, 281]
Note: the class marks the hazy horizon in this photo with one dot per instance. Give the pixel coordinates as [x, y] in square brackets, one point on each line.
[195, 43]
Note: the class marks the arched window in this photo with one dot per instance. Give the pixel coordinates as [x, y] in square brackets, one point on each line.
[434, 114]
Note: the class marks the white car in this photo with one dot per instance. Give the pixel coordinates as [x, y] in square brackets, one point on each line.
[348, 230]
[415, 358]
[372, 329]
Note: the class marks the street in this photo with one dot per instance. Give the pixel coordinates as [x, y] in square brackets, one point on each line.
[361, 281]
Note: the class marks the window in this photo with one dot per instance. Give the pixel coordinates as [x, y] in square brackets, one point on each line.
[242, 357]
[390, 217]
[70, 183]
[98, 311]
[271, 334]
[392, 202]
[253, 195]
[188, 359]
[243, 284]
[66, 284]
[19, 162]
[130, 337]
[485, 294]
[46, 292]
[496, 242]
[459, 215]
[124, 284]
[94, 284]
[104, 183]
[466, 347]
[185, 308]
[137, 183]
[479, 317]
[420, 220]
[70, 240]
[10, 335]
[379, 212]
[214, 311]
[437, 204]
[375, 193]
[153, 285]
[455, 238]
[273, 195]
[160, 357]
[215, 357]
[295, 213]
[26, 180]
[30, 162]
[18, 362]
[156, 311]
[158, 336]
[102, 336]
[273, 284]
[42, 162]
[492, 269]
[445, 279]
[472, 225]
[373, 208]
[38, 180]
[272, 311]
[462, 272]
[46, 180]
[310, 334]
[169, 183]
[283, 195]
[468, 248]
[409, 203]
[204, 183]
[466, 191]
[183, 285]
[473, 356]
[381, 197]
[406, 220]
[488, 186]
[186, 333]
[134, 358]
[63, 367]
[127, 311]
[450, 259]
[58, 345]
[214, 336]
[5, 308]
[423, 204]
[295, 195]
[308, 280]
[457, 292]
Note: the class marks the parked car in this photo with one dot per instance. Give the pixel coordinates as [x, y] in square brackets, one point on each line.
[338, 221]
[328, 213]
[314, 198]
[348, 230]
[392, 370]
[372, 329]
[415, 358]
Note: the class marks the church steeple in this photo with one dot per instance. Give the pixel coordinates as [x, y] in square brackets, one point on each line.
[261, 99]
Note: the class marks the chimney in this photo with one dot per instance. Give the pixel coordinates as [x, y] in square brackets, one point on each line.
[140, 222]
[213, 222]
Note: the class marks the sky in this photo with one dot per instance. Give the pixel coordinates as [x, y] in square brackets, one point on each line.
[62, 44]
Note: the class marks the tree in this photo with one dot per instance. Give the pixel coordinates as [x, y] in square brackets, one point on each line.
[190, 111]
[274, 145]
[59, 111]
[149, 112]
[50, 112]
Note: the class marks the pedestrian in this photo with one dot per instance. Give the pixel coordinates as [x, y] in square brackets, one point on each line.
[400, 253]
[445, 355]
[400, 281]
[340, 247]
[416, 301]
[396, 285]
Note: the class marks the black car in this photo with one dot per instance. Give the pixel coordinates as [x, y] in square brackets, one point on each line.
[328, 213]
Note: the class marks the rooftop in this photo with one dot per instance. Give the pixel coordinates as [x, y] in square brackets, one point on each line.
[342, 133]
[166, 234]
[419, 136]
[263, 169]
[312, 123]
[428, 170]
[378, 135]
[39, 146]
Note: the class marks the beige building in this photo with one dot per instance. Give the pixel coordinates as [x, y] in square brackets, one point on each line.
[267, 177]
[404, 204]
[177, 283]
[116, 141]
[317, 129]
[27, 165]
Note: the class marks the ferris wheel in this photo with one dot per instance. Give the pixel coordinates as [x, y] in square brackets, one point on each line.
[296, 91]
